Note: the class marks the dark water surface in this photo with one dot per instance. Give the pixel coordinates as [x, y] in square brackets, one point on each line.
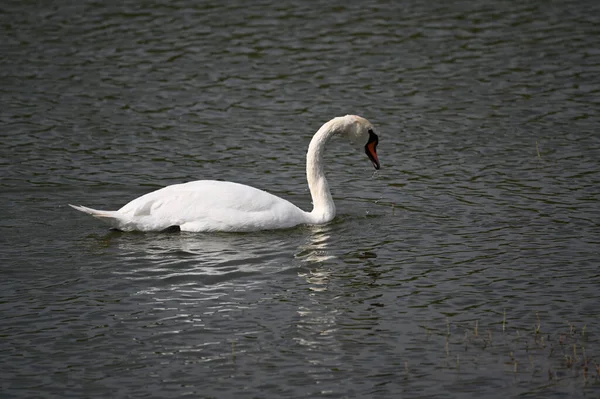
[467, 267]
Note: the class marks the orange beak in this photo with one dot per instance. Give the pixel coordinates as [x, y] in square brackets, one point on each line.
[371, 150]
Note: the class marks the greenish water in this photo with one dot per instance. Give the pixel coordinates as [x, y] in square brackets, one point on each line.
[466, 267]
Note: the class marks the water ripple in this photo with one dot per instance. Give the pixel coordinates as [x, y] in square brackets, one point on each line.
[468, 263]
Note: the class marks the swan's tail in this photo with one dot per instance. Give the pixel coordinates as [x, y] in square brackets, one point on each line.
[113, 218]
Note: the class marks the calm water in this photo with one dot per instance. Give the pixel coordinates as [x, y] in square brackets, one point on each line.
[467, 267]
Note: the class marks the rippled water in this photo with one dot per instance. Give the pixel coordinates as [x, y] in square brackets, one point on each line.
[468, 266]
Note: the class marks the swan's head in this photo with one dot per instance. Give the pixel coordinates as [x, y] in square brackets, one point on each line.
[360, 132]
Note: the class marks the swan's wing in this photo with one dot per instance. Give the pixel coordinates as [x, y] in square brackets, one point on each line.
[208, 205]
[201, 196]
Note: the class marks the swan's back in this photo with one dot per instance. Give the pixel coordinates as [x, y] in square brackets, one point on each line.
[210, 205]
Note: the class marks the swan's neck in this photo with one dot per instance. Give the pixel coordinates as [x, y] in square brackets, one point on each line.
[323, 206]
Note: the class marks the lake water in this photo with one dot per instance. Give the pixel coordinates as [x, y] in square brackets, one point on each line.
[468, 266]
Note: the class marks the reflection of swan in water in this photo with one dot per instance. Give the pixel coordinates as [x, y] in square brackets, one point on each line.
[315, 248]
[323, 317]
[211, 259]
[316, 321]
[223, 284]
[315, 252]
[184, 258]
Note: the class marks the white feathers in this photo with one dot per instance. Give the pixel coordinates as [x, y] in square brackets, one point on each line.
[208, 205]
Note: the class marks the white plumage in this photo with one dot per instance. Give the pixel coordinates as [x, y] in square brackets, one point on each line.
[209, 205]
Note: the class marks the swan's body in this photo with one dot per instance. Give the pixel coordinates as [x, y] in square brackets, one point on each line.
[205, 205]
[209, 205]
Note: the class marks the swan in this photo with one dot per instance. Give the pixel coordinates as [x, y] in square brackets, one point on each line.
[209, 205]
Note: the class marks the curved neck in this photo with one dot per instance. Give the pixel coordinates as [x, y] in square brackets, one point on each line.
[323, 206]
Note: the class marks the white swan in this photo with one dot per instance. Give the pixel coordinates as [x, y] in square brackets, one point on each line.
[208, 205]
